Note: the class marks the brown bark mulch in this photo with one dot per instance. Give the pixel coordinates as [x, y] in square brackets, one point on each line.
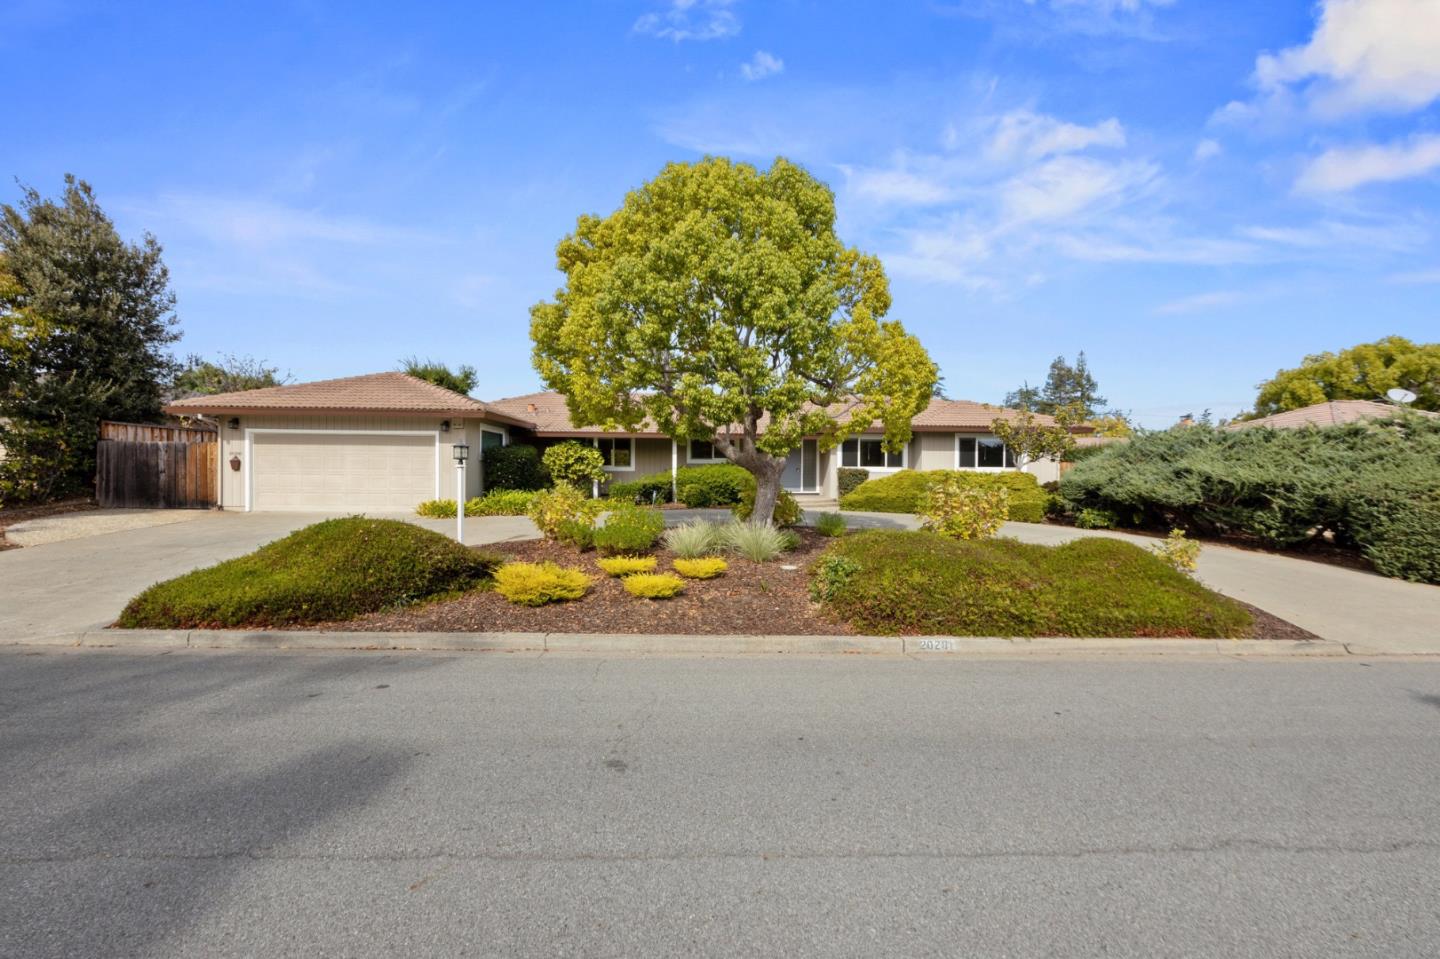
[749, 599]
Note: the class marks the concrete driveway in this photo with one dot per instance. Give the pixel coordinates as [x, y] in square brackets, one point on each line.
[83, 582]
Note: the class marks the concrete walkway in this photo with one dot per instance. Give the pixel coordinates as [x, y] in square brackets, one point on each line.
[95, 522]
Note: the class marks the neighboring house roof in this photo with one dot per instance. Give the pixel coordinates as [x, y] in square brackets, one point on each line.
[1333, 413]
[373, 393]
[551, 416]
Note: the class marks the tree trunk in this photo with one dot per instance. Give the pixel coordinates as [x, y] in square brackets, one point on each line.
[767, 488]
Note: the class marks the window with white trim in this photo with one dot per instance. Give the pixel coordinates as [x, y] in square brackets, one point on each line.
[983, 453]
[619, 452]
[704, 451]
[869, 452]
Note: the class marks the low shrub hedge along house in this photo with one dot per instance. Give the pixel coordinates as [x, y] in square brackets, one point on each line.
[902, 492]
[1373, 486]
[333, 570]
[923, 583]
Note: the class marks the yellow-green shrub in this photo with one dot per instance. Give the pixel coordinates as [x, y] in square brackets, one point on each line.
[952, 508]
[535, 584]
[707, 567]
[654, 585]
[1178, 551]
[626, 565]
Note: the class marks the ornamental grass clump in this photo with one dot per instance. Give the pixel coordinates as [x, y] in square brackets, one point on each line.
[705, 567]
[535, 584]
[654, 585]
[626, 565]
[693, 540]
[952, 508]
[830, 524]
[757, 542]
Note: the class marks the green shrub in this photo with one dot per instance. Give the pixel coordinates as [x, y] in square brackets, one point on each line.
[1096, 519]
[500, 502]
[705, 567]
[564, 503]
[1179, 552]
[626, 565]
[902, 491]
[830, 524]
[923, 583]
[629, 529]
[723, 484]
[579, 533]
[1398, 530]
[535, 584]
[955, 509]
[654, 585]
[693, 540]
[759, 543]
[573, 463]
[437, 509]
[334, 570]
[787, 510]
[514, 467]
[646, 490]
[830, 575]
[851, 478]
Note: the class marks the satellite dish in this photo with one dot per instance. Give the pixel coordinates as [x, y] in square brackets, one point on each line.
[1400, 396]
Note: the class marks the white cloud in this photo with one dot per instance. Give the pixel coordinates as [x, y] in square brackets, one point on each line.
[1065, 187]
[1346, 168]
[1032, 136]
[761, 65]
[1206, 150]
[1108, 7]
[691, 20]
[1364, 54]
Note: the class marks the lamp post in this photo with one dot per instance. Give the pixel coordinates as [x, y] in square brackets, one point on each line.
[461, 452]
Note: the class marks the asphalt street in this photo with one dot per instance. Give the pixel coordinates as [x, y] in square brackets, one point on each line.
[202, 803]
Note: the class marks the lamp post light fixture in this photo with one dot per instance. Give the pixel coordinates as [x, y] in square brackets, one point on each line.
[461, 452]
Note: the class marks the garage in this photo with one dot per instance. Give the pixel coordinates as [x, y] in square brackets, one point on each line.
[363, 472]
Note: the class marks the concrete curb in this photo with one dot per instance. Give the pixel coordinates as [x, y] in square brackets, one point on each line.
[924, 647]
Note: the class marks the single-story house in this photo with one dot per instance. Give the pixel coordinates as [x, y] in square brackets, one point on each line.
[1332, 413]
[382, 443]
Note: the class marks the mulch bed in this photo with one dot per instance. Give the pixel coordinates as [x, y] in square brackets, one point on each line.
[9, 517]
[750, 599]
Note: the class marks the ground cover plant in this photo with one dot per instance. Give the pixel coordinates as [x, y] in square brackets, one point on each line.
[535, 584]
[923, 583]
[331, 571]
[1370, 487]
[654, 585]
[626, 565]
[904, 491]
[705, 567]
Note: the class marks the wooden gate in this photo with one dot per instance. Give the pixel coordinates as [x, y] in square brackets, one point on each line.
[139, 466]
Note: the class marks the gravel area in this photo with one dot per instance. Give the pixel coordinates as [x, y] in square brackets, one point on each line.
[95, 522]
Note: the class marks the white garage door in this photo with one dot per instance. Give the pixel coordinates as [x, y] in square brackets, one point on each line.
[336, 471]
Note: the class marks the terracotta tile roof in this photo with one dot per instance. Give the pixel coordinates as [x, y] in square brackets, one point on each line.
[373, 393]
[1333, 413]
[551, 416]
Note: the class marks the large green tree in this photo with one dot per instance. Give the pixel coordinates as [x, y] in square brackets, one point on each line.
[719, 303]
[1363, 372]
[1066, 387]
[225, 374]
[93, 314]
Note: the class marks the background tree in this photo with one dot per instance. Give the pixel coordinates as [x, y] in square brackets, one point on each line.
[228, 374]
[718, 302]
[92, 315]
[1030, 440]
[1065, 386]
[461, 381]
[1363, 372]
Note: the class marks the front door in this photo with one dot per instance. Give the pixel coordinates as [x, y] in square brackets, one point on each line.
[802, 468]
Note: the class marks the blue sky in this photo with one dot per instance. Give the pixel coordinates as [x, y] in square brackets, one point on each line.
[1194, 192]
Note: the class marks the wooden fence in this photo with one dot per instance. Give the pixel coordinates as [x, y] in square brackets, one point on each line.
[156, 467]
